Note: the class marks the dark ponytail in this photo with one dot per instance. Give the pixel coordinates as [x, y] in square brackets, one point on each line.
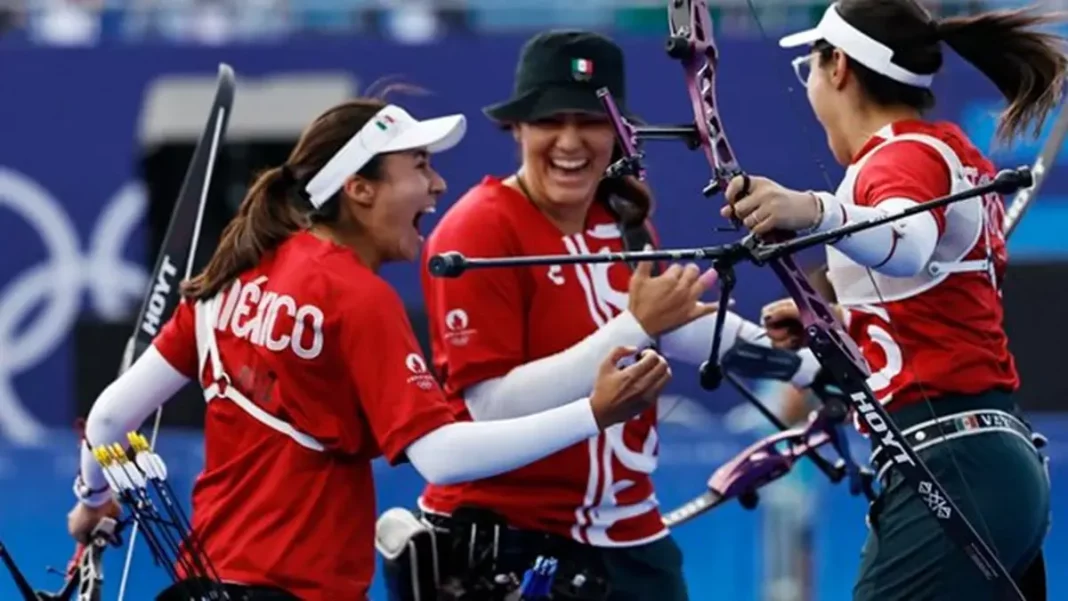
[276, 206]
[628, 198]
[264, 219]
[1026, 65]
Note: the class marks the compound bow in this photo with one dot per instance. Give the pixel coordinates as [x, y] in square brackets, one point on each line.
[691, 43]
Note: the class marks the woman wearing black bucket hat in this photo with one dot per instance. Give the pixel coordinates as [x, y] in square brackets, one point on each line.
[510, 342]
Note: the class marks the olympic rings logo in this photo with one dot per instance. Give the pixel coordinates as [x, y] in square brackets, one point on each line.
[39, 305]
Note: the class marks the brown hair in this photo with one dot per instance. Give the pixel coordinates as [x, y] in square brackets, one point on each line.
[276, 205]
[1027, 65]
[628, 198]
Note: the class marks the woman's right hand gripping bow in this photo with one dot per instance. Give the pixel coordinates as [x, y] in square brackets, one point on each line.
[782, 321]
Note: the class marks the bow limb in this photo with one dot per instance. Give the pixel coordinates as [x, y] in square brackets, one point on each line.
[1046, 158]
[690, 22]
[692, 44]
[84, 574]
[760, 464]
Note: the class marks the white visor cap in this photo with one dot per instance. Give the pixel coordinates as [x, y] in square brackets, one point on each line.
[858, 45]
[392, 129]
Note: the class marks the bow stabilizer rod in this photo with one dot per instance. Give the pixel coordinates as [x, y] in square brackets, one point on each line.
[725, 256]
[453, 264]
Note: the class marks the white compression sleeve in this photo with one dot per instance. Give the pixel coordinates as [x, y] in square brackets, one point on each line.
[554, 380]
[692, 343]
[466, 451]
[123, 406]
[900, 248]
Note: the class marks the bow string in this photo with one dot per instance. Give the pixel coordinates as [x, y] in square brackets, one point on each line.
[842, 385]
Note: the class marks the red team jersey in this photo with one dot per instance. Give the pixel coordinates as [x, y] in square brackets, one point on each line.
[318, 340]
[947, 339]
[488, 322]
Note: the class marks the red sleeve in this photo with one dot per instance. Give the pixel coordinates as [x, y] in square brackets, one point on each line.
[398, 394]
[477, 321]
[177, 340]
[907, 169]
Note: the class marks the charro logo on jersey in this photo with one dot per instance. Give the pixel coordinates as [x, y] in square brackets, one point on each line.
[251, 313]
[40, 303]
[421, 376]
[457, 332]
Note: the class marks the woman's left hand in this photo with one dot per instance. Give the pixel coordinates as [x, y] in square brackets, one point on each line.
[82, 520]
[769, 206]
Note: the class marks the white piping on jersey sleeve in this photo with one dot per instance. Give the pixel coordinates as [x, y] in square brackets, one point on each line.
[465, 451]
[555, 380]
[692, 343]
[900, 248]
[123, 406]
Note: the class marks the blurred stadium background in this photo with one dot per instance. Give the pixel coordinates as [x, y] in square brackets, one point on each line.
[100, 105]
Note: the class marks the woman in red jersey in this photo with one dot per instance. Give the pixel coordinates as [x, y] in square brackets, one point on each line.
[921, 295]
[310, 368]
[511, 342]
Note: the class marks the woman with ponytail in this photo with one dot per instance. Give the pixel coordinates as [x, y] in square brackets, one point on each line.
[310, 368]
[921, 295]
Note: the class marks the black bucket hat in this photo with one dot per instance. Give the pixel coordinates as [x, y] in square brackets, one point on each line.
[560, 71]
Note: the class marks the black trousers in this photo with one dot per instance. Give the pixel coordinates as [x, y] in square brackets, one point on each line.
[999, 483]
[649, 571]
[652, 571]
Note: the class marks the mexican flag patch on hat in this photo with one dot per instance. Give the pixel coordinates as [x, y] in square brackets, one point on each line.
[581, 68]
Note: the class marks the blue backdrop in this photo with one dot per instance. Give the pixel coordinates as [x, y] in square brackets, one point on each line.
[73, 242]
[70, 224]
[723, 550]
